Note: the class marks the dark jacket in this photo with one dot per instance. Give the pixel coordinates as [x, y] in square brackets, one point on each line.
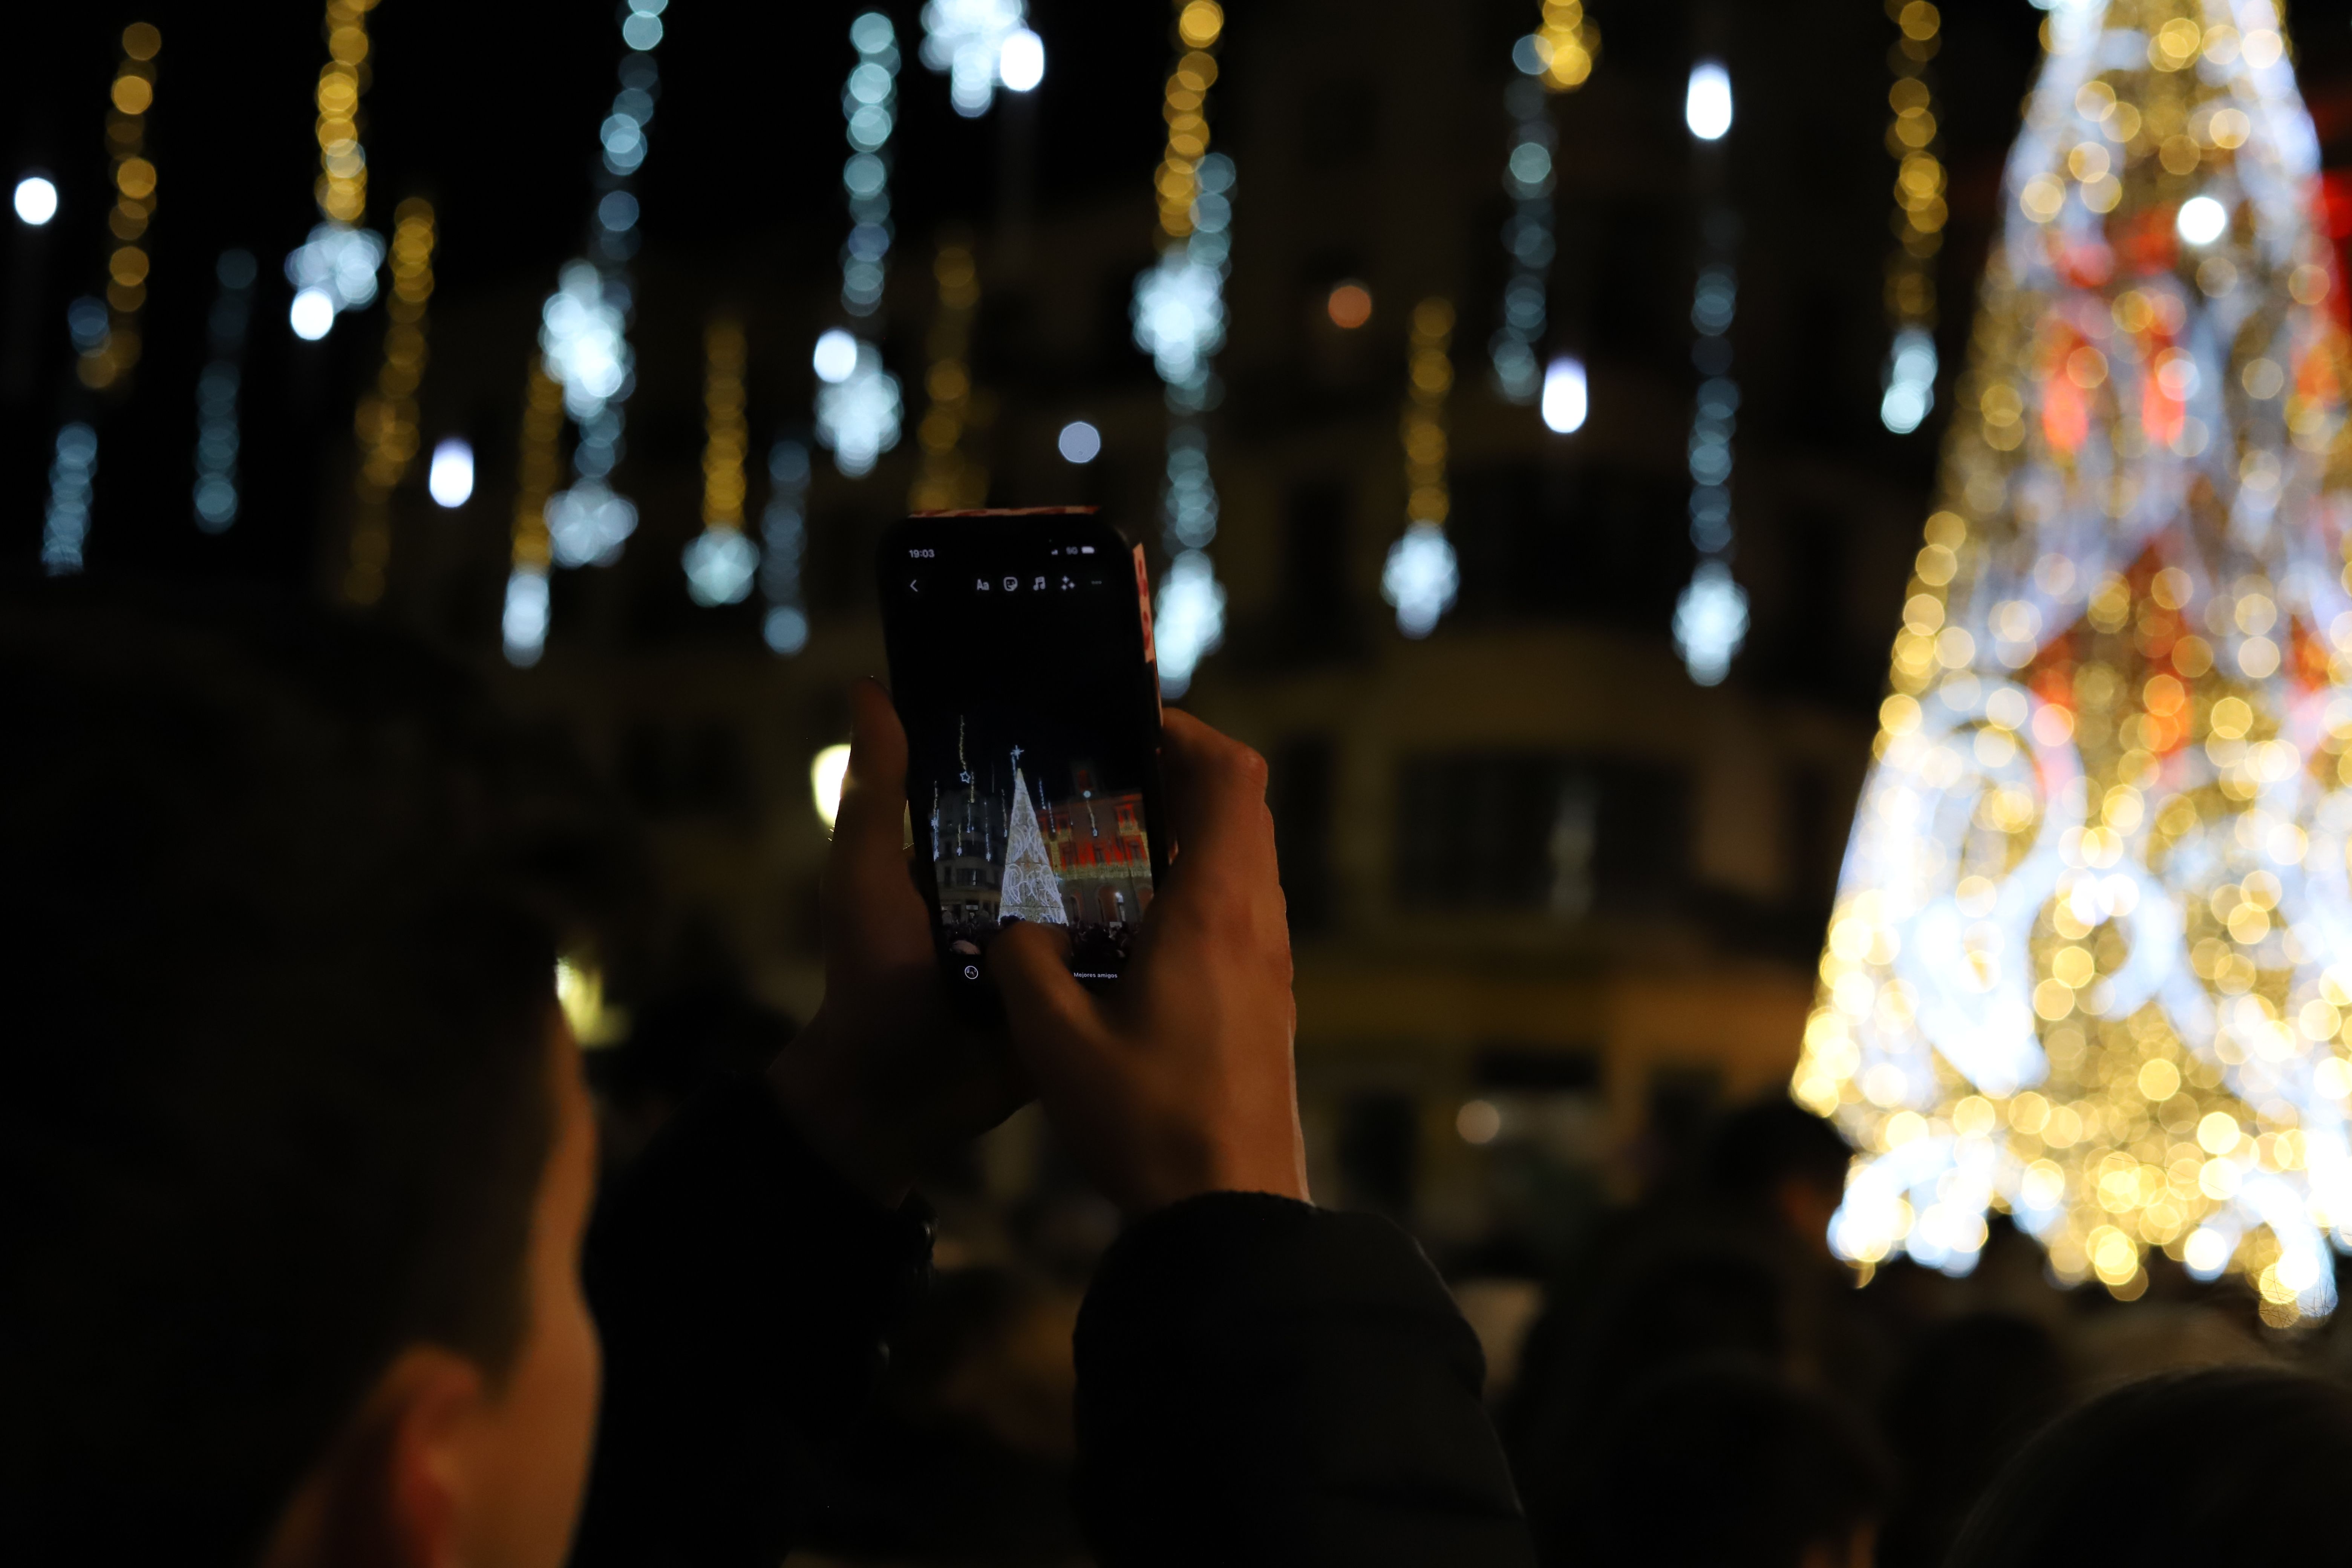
[1259, 1380]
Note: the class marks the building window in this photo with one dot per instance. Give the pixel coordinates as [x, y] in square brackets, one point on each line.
[1541, 832]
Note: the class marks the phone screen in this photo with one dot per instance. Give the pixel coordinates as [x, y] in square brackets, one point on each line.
[1021, 665]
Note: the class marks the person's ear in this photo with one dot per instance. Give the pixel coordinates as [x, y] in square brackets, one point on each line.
[392, 1492]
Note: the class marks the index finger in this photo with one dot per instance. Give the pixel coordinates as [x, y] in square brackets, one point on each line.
[1216, 799]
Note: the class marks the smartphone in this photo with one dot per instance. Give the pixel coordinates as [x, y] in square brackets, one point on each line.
[1022, 664]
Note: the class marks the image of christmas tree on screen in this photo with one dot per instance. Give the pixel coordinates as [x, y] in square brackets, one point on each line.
[1039, 833]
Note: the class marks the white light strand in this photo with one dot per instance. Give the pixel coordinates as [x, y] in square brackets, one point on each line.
[64, 525]
[1556, 57]
[584, 325]
[215, 494]
[981, 44]
[1179, 314]
[1711, 613]
[783, 538]
[859, 409]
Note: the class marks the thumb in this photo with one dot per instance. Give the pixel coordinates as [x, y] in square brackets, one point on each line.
[1054, 1021]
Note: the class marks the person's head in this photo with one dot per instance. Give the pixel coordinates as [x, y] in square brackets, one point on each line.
[1723, 1460]
[2222, 1466]
[293, 1155]
[1777, 1162]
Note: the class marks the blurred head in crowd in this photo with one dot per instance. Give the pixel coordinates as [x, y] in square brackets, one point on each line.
[294, 1148]
[1779, 1163]
[1969, 1392]
[1721, 1461]
[2227, 1466]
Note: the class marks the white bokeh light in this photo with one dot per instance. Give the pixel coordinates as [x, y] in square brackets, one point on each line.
[1021, 63]
[981, 44]
[1710, 622]
[1707, 106]
[1421, 578]
[835, 357]
[2202, 220]
[1566, 399]
[1910, 381]
[36, 200]
[450, 480]
[1079, 442]
[312, 314]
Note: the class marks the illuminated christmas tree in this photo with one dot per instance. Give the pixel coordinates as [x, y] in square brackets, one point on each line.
[2092, 952]
[1031, 891]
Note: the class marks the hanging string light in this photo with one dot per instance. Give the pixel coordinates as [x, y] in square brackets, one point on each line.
[859, 406]
[1179, 321]
[1919, 215]
[783, 539]
[107, 334]
[1556, 57]
[386, 421]
[114, 339]
[523, 624]
[334, 269]
[981, 44]
[215, 497]
[1421, 576]
[583, 336]
[1711, 613]
[949, 479]
[2091, 958]
[720, 562]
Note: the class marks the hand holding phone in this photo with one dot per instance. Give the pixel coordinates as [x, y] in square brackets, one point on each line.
[1178, 1080]
[885, 1079]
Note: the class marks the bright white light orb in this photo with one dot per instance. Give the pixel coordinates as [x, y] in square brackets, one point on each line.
[1021, 63]
[1421, 578]
[826, 772]
[36, 200]
[1710, 622]
[2202, 220]
[522, 625]
[450, 481]
[1707, 107]
[312, 314]
[720, 565]
[835, 357]
[1566, 399]
[1081, 442]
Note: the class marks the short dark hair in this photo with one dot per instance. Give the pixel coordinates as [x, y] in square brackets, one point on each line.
[273, 1092]
[2258, 1454]
[1768, 1142]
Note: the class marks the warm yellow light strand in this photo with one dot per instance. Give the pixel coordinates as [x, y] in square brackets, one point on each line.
[132, 93]
[727, 435]
[1430, 374]
[342, 165]
[1912, 138]
[949, 478]
[540, 467]
[1199, 26]
[1567, 42]
[386, 420]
